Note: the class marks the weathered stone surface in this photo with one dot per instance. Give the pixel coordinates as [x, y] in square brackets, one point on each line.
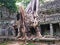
[6, 14]
[50, 18]
[50, 5]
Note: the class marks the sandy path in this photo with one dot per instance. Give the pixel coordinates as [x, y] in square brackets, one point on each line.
[15, 43]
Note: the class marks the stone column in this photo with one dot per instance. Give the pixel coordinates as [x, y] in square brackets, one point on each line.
[51, 30]
[59, 25]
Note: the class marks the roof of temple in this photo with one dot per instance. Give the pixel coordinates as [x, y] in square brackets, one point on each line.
[50, 5]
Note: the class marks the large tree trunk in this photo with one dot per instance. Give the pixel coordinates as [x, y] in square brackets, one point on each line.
[22, 23]
[33, 7]
[29, 18]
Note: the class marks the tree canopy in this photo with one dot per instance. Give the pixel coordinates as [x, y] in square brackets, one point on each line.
[24, 2]
[10, 4]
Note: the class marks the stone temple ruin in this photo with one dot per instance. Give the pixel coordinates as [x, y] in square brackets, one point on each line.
[41, 22]
[50, 18]
[6, 18]
[45, 17]
[38, 21]
[29, 20]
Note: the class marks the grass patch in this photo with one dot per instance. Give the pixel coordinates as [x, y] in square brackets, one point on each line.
[3, 43]
[28, 43]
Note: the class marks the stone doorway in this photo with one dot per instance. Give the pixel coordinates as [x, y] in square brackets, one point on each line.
[56, 31]
[45, 29]
[16, 30]
[31, 31]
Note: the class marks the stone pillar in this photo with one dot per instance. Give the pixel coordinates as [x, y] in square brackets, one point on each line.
[59, 25]
[51, 30]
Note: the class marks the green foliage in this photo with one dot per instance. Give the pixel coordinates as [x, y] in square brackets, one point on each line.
[3, 44]
[41, 1]
[18, 0]
[24, 2]
[28, 44]
[10, 4]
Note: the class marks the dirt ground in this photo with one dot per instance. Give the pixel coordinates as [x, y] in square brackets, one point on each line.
[19, 43]
[15, 43]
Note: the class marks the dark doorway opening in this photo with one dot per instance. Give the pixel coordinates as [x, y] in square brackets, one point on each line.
[45, 29]
[32, 31]
[56, 31]
[16, 30]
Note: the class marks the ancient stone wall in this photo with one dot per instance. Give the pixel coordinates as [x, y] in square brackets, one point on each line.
[5, 14]
[6, 17]
[53, 18]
